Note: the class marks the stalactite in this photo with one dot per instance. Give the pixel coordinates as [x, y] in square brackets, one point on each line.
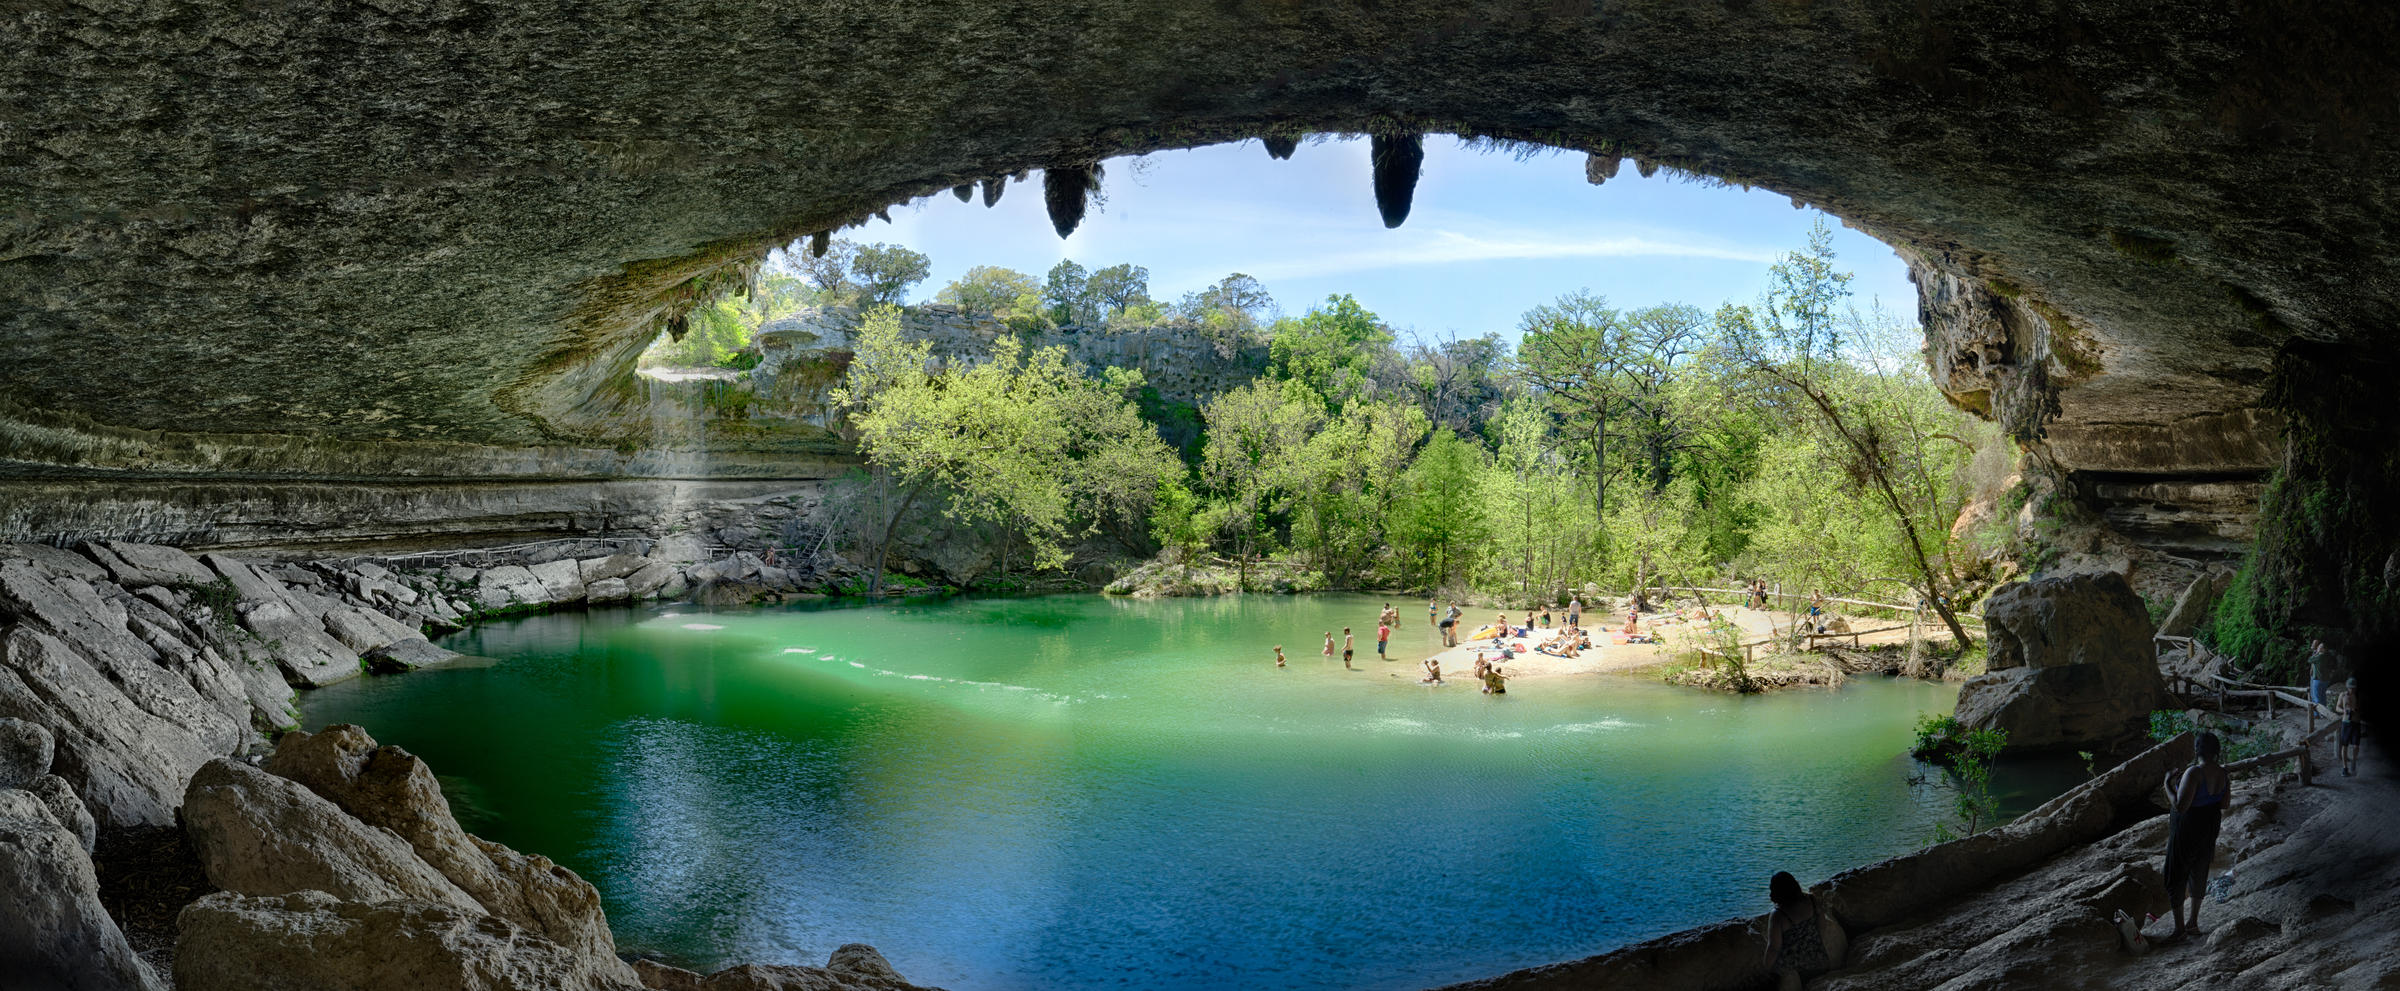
[1646, 167]
[992, 188]
[1280, 148]
[1398, 159]
[1067, 189]
[965, 192]
[818, 242]
[1599, 168]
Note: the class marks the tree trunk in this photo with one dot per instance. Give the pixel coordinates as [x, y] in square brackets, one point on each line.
[883, 549]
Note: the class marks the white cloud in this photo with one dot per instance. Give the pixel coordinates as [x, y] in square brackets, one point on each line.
[1443, 247]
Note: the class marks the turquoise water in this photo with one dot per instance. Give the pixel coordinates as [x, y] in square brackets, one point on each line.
[1077, 792]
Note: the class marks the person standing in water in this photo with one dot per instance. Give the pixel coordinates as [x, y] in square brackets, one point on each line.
[1348, 649]
[1329, 645]
[1383, 638]
[2200, 794]
[1278, 655]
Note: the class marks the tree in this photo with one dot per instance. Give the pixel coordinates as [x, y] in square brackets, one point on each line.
[1797, 356]
[1441, 522]
[1023, 438]
[885, 271]
[1118, 288]
[1572, 352]
[990, 289]
[1254, 433]
[829, 273]
[1228, 312]
[1330, 350]
[1067, 293]
[1459, 381]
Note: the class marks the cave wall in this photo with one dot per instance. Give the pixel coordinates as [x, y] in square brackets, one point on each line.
[425, 239]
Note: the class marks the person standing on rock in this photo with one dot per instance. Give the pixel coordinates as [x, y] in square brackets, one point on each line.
[2346, 743]
[2200, 795]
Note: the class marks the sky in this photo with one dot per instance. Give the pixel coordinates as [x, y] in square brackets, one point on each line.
[1489, 237]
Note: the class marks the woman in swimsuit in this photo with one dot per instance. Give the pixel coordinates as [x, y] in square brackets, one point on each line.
[1803, 940]
[2200, 796]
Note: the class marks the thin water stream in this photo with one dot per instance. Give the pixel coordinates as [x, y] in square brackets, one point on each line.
[1077, 792]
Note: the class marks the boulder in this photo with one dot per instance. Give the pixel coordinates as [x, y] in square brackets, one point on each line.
[248, 582]
[364, 630]
[392, 790]
[661, 977]
[647, 581]
[508, 586]
[408, 655]
[54, 933]
[66, 808]
[25, 752]
[310, 940]
[861, 960]
[561, 580]
[612, 566]
[259, 834]
[309, 656]
[2070, 665]
[608, 590]
[2193, 606]
[133, 565]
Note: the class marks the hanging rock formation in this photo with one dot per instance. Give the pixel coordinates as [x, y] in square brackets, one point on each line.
[1398, 159]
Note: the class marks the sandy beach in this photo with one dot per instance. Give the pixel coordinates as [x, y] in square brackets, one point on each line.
[1675, 638]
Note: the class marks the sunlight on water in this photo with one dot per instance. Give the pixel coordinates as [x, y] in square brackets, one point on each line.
[1074, 792]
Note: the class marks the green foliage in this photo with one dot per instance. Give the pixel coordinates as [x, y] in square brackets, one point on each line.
[990, 289]
[1440, 527]
[2256, 741]
[885, 271]
[1976, 805]
[1937, 738]
[1024, 440]
[1331, 350]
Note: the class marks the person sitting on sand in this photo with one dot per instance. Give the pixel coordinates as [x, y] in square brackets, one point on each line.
[1481, 665]
[1803, 939]
[1433, 672]
[1278, 655]
[2346, 744]
[2200, 794]
[1494, 683]
[1633, 621]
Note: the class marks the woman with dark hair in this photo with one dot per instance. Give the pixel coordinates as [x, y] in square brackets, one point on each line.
[2199, 795]
[1803, 940]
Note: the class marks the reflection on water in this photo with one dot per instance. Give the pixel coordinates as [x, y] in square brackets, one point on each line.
[1079, 792]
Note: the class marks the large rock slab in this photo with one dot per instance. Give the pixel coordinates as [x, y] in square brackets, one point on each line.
[134, 565]
[57, 559]
[561, 580]
[54, 932]
[2193, 606]
[2071, 665]
[392, 790]
[259, 834]
[310, 941]
[128, 763]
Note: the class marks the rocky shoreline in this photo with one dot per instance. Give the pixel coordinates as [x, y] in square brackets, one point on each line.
[152, 769]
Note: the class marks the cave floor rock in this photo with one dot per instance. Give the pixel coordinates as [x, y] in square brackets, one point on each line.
[2306, 874]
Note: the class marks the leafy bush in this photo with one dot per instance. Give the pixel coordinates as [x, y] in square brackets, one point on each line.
[1937, 738]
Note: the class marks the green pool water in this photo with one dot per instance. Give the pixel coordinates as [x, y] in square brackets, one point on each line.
[1077, 792]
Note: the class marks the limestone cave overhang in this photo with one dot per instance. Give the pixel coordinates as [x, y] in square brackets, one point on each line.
[427, 238]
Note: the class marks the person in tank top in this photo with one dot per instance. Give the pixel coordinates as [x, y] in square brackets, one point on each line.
[2200, 795]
